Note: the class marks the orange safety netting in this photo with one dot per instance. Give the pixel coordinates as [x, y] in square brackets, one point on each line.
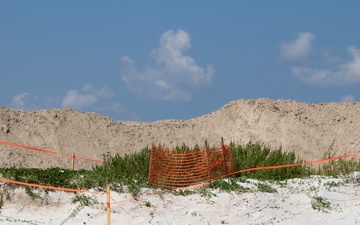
[182, 168]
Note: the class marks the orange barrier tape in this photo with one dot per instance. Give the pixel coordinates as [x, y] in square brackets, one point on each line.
[32, 148]
[46, 151]
[292, 165]
[49, 187]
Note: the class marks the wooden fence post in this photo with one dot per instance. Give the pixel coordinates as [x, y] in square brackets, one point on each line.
[73, 161]
[108, 204]
[208, 159]
[224, 157]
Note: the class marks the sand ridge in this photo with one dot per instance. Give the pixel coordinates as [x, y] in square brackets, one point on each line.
[309, 130]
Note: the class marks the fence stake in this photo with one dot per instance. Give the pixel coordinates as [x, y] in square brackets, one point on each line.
[224, 157]
[208, 159]
[73, 161]
[152, 153]
[108, 204]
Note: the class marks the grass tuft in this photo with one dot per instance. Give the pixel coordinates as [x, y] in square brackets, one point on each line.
[254, 155]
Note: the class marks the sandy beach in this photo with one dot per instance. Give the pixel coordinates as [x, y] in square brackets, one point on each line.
[316, 200]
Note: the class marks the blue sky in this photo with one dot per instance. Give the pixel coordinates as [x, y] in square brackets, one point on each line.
[155, 60]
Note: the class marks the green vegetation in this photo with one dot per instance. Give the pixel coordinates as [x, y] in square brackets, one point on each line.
[31, 193]
[263, 187]
[130, 172]
[83, 200]
[182, 192]
[230, 184]
[319, 203]
[254, 155]
[340, 167]
[4, 194]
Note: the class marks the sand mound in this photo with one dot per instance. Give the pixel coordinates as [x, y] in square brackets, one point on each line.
[307, 129]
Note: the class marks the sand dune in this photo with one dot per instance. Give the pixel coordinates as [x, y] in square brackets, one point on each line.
[309, 130]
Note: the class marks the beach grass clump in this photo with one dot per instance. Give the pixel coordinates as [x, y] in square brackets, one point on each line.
[264, 187]
[340, 167]
[130, 170]
[231, 184]
[4, 194]
[319, 203]
[253, 155]
[57, 177]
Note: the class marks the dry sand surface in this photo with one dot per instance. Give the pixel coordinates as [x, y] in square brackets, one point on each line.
[316, 200]
[307, 129]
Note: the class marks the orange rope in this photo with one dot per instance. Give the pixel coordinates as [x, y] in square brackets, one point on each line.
[292, 165]
[49, 187]
[162, 169]
[32, 148]
[47, 151]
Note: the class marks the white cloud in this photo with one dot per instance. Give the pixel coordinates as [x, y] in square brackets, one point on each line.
[298, 48]
[29, 102]
[20, 99]
[75, 100]
[102, 92]
[348, 98]
[87, 97]
[345, 74]
[173, 75]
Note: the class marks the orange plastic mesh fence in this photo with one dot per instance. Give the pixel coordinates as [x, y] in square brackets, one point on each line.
[179, 168]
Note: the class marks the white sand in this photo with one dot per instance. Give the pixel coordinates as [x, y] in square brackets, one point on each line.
[291, 204]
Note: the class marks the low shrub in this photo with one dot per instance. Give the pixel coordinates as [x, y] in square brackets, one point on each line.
[254, 155]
